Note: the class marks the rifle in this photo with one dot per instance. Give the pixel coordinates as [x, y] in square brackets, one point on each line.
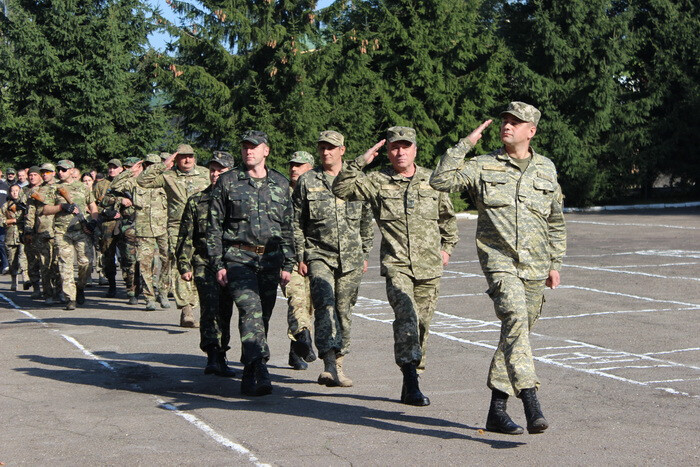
[88, 226]
[37, 197]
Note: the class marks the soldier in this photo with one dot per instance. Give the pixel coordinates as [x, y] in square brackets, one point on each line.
[332, 238]
[111, 239]
[251, 247]
[12, 215]
[180, 178]
[300, 310]
[71, 202]
[11, 176]
[32, 253]
[216, 304]
[521, 240]
[122, 189]
[419, 232]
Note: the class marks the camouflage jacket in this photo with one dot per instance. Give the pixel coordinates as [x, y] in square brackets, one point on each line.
[149, 210]
[521, 227]
[416, 221]
[178, 187]
[327, 228]
[191, 250]
[251, 213]
[79, 195]
[13, 231]
[35, 223]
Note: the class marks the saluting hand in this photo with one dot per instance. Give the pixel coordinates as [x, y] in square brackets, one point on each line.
[373, 151]
[170, 160]
[475, 135]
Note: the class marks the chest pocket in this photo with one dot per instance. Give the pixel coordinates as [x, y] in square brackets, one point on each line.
[391, 204]
[320, 202]
[353, 209]
[428, 203]
[541, 199]
[495, 190]
[238, 209]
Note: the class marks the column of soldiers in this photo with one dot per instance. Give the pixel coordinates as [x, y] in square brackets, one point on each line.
[238, 232]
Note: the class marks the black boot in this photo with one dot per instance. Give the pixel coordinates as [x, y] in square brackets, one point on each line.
[536, 423]
[498, 420]
[263, 384]
[303, 345]
[80, 296]
[410, 392]
[212, 362]
[295, 361]
[248, 380]
[112, 290]
[224, 370]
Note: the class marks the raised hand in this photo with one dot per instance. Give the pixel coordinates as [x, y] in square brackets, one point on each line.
[475, 135]
[373, 151]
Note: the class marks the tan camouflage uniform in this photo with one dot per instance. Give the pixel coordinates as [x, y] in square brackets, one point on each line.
[416, 223]
[41, 253]
[520, 237]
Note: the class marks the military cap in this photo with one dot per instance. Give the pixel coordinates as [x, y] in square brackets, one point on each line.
[65, 164]
[115, 162]
[223, 158]
[130, 161]
[11, 171]
[302, 157]
[48, 167]
[34, 169]
[184, 149]
[401, 133]
[523, 111]
[152, 158]
[164, 155]
[332, 137]
[254, 136]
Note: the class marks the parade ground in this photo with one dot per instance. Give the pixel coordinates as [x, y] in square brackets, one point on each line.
[617, 351]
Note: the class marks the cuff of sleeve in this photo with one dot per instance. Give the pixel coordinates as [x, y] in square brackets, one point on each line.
[217, 264]
[555, 265]
[360, 162]
[448, 248]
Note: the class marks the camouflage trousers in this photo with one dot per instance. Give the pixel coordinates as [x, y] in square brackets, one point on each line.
[333, 295]
[182, 290]
[254, 291]
[413, 302]
[518, 304]
[48, 265]
[216, 308]
[109, 244]
[149, 250]
[131, 268]
[33, 261]
[300, 311]
[73, 246]
[14, 253]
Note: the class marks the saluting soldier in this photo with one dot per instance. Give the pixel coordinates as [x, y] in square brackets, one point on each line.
[419, 232]
[521, 240]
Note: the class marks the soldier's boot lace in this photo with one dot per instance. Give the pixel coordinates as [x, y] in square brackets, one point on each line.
[343, 380]
[295, 361]
[303, 345]
[498, 419]
[410, 392]
[329, 375]
[536, 423]
[187, 317]
[222, 364]
[263, 384]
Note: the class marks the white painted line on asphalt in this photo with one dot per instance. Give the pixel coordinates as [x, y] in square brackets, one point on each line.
[633, 273]
[666, 265]
[617, 312]
[206, 429]
[692, 349]
[636, 297]
[631, 224]
[672, 381]
[634, 367]
[209, 431]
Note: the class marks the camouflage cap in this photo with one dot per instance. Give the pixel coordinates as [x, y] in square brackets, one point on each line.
[223, 158]
[35, 169]
[115, 162]
[152, 158]
[332, 137]
[164, 155]
[184, 149]
[401, 133]
[130, 161]
[523, 111]
[302, 157]
[11, 171]
[65, 164]
[254, 136]
[47, 167]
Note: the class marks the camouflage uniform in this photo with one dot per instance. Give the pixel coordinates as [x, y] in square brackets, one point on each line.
[333, 237]
[71, 242]
[520, 237]
[178, 187]
[13, 233]
[416, 223]
[248, 214]
[216, 304]
[41, 251]
[300, 310]
[111, 238]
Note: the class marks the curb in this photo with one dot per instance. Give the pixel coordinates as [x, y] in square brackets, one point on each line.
[622, 207]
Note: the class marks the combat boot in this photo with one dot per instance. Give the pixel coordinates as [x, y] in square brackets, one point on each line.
[343, 381]
[498, 420]
[102, 280]
[303, 345]
[248, 380]
[70, 305]
[224, 370]
[151, 306]
[133, 300]
[163, 300]
[329, 375]
[410, 392]
[536, 423]
[27, 285]
[13, 287]
[112, 290]
[187, 317]
[80, 296]
[37, 291]
[295, 361]
[263, 384]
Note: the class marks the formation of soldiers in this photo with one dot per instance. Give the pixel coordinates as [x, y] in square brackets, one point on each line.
[238, 231]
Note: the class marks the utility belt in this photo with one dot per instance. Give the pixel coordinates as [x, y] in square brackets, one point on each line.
[259, 249]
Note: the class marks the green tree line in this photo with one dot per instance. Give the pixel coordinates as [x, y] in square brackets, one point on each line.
[616, 81]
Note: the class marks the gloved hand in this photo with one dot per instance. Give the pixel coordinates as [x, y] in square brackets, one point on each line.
[68, 207]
